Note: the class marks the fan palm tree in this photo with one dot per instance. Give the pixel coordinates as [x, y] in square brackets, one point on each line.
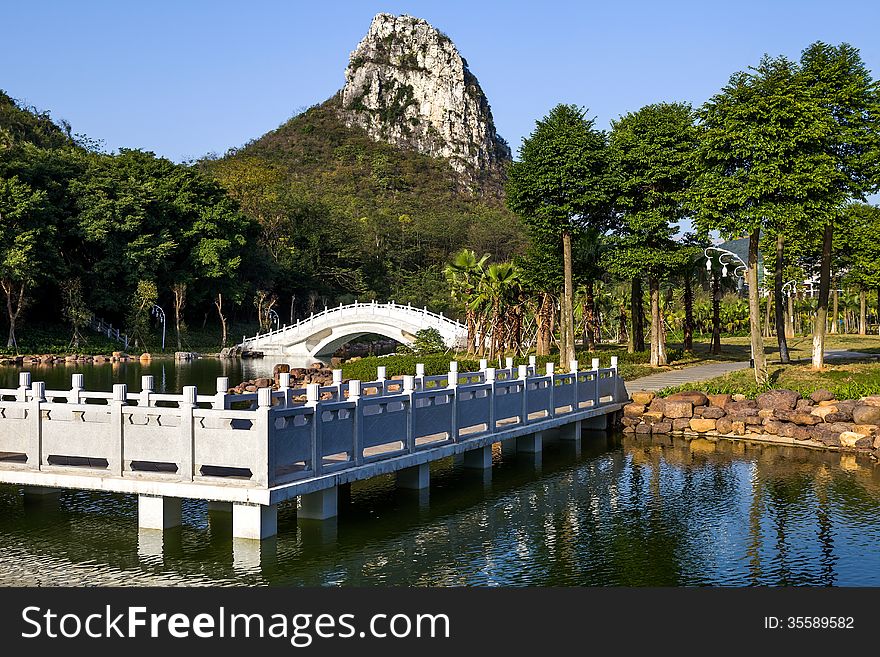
[464, 274]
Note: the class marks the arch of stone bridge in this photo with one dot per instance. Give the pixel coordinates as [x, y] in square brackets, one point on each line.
[321, 345]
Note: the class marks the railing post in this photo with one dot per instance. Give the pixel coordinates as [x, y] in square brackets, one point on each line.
[284, 387]
[408, 389]
[313, 400]
[220, 402]
[524, 376]
[265, 438]
[452, 384]
[24, 384]
[354, 395]
[187, 431]
[484, 363]
[117, 424]
[533, 363]
[508, 364]
[337, 382]
[420, 376]
[35, 417]
[573, 369]
[147, 384]
[550, 369]
[77, 384]
[490, 379]
[595, 364]
[596, 374]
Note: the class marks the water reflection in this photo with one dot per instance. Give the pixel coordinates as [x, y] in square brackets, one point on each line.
[623, 511]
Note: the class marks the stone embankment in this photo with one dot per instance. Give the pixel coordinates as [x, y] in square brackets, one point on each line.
[299, 377]
[780, 416]
[55, 359]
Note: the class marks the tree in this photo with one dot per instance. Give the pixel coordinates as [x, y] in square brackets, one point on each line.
[137, 321]
[651, 149]
[463, 274]
[75, 310]
[561, 184]
[858, 241]
[25, 238]
[850, 102]
[759, 165]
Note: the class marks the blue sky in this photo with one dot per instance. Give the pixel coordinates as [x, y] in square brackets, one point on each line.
[188, 78]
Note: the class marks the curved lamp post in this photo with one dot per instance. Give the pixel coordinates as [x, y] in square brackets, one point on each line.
[159, 314]
[274, 318]
[729, 259]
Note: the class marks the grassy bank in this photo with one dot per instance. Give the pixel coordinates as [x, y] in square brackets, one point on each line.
[844, 381]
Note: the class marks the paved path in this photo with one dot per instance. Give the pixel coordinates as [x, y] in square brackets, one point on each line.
[697, 373]
[685, 375]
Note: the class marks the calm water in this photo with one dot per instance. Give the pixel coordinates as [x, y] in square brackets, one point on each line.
[622, 511]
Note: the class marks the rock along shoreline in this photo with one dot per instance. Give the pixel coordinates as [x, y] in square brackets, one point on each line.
[776, 416]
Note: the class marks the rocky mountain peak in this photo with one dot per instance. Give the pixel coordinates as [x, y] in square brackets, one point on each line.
[407, 84]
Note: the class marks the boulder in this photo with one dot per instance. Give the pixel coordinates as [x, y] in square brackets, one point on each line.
[847, 405]
[695, 397]
[737, 427]
[866, 429]
[840, 427]
[765, 413]
[823, 411]
[719, 400]
[656, 405]
[866, 414]
[629, 421]
[877, 442]
[850, 438]
[643, 428]
[681, 423]
[678, 409]
[839, 416]
[629, 429]
[821, 395]
[738, 397]
[773, 426]
[642, 397]
[804, 405]
[865, 443]
[652, 417]
[633, 410]
[797, 417]
[873, 400]
[702, 425]
[713, 412]
[830, 402]
[661, 427]
[829, 438]
[788, 430]
[781, 399]
[744, 407]
[724, 425]
[698, 411]
[146, 356]
[280, 368]
[263, 383]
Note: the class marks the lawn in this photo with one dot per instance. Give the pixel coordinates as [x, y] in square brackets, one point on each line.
[845, 381]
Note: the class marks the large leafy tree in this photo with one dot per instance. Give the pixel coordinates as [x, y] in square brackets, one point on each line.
[561, 184]
[26, 237]
[760, 165]
[857, 243]
[651, 151]
[849, 100]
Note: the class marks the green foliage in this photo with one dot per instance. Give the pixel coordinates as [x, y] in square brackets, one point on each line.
[858, 245]
[29, 125]
[428, 341]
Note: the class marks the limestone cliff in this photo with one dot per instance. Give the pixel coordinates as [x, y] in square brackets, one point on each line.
[407, 85]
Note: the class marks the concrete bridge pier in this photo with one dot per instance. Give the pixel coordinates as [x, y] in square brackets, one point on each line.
[531, 444]
[418, 477]
[158, 512]
[249, 557]
[254, 521]
[571, 432]
[597, 423]
[320, 505]
[479, 459]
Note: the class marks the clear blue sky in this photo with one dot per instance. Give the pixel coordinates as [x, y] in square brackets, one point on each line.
[187, 78]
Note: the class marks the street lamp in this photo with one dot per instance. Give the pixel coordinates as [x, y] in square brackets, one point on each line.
[725, 259]
[274, 318]
[159, 314]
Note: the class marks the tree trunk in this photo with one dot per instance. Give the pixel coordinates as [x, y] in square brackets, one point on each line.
[545, 314]
[778, 301]
[566, 320]
[755, 311]
[471, 330]
[688, 314]
[179, 292]
[624, 333]
[835, 310]
[821, 322]
[589, 317]
[716, 313]
[638, 316]
[14, 305]
[218, 304]
[658, 343]
[863, 312]
[789, 325]
[767, 322]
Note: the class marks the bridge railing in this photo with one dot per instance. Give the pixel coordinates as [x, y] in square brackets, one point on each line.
[282, 435]
[378, 308]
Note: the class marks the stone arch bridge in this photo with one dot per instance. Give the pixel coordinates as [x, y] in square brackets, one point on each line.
[319, 336]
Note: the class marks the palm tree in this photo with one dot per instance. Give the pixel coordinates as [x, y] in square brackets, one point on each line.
[464, 274]
[497, 293]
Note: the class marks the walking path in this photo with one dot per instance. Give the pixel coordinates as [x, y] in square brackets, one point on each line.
[691, 374]
[696, 373]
